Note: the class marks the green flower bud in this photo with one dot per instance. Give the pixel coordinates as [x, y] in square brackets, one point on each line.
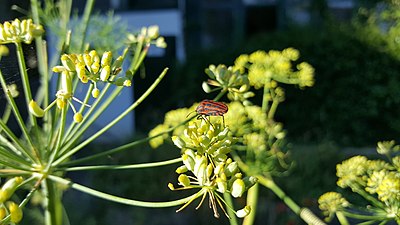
[3, 213]
[250, 181]
[66, 82]
[67, 63]
[206, 87]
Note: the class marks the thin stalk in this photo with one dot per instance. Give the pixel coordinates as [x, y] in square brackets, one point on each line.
[25, 79]
[59, 137]
[273, 108]
[19, 119]
[265, 99]
[219, 96]
[123, 147]
[252, 199]
[15, 139]
[85, 21]
[6, 114]
[123, 167]
[76, 133]
[14, 157]
[116, 120]
[117, 199]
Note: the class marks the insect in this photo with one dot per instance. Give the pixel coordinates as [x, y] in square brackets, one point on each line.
[211, 108]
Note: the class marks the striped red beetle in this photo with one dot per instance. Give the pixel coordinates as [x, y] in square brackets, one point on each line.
[211, 108]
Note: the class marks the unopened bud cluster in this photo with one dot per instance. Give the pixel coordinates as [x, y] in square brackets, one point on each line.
[148, 35]
[19, 31]
[7, 207]
[91, 67]
[228, 79]
[204, 155]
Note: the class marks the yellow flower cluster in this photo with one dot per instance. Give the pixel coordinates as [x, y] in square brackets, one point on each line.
[332, 202]
[376, 180]
[19, 31]
[265, 67]
[204, 154]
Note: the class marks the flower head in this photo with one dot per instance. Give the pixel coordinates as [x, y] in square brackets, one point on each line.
[204, 154]
[332, 202]
[19, 31]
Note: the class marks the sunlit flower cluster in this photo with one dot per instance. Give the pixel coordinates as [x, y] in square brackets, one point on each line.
[376, 180]
[207, 166]
[259, 137]
[265, 67]
[19, 31]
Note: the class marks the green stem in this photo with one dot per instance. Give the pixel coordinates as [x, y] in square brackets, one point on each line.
[123, 167]
[222, 93]
[20, 121]
[265, 98]
[53, 207]
[231, 213]
[252, 199]
[116, 120]
[85, 21]
[59, 137]
[304, 213]
[25, 79]
[117, 199]
[342, 218]
[273, 108]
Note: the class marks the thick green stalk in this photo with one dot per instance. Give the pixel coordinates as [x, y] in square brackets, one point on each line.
[116, 120]
[252, 199]
[304, 213]
[53, 205]
[231, 213]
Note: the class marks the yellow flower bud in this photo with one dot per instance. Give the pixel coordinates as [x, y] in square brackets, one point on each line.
[15, 212]
[35, 109]
[78, 117]
[88, 60]
[178, 142]
[95, 67]
[8, 189]
[58, 69]
[105, 73]
[3, 213]
[3, 49]
[153, 32]
[61, 103]
[95, 93]
[127, 83]
[106, 59]
[184, 180]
